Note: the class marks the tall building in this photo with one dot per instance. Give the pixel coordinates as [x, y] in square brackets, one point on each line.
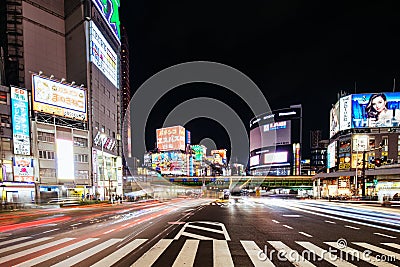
[73, 46]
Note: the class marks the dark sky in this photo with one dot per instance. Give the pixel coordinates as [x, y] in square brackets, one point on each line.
[297, 52]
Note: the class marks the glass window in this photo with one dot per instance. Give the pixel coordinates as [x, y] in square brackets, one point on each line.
[81, 142]
[46, 154]
[5, 121]
[82, 175]
[46, 137]
[81, 158]
[46, 172]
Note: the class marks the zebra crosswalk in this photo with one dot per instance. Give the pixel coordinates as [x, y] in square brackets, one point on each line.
[100, 252]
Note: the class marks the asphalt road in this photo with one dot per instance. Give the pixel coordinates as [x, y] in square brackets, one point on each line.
[201, 232]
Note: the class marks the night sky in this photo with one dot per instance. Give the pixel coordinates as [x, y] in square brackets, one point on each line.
[297, 52]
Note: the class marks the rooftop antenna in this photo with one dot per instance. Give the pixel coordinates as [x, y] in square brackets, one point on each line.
[394, 84]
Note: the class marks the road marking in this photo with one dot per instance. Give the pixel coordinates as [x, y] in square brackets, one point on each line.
[176, 222]
[305, 234]
[120, 253]
[200, 237]
[87, 253]
[355, 253]
[330, 222]
[50, 231]
[109, 231]
[352, 227]
[329, 257]
[385, 235]
[55, 253]
[253, 251]
[291, 254]
[32, 250]
[75, 224]
[24, 244]
[192, 225]
[187, 254]
[152, 254]
[287, 226]
[382, 251]
[292, 215]
[275, 221]
[221, 254]
[14, 240]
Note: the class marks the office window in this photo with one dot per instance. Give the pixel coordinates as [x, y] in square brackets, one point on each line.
[81, 142]
[82, 175]
[81, 158]
[46, 137]
[102, 108]
[43, 154]
[5, 144]
[108, 113]
[5, 121]
[47, 172]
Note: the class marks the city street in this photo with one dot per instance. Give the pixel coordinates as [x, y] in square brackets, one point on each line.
[204, 232]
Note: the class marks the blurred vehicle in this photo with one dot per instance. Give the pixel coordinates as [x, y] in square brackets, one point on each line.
[67, 201]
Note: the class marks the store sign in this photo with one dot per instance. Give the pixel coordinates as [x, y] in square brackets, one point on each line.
[20, 121]
[23, 169]
[58, 99]
[109, 9]
[102, 55]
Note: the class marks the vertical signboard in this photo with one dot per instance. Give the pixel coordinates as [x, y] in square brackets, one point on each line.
[334, 120]
[109, 9]
[20, 121]
[345, 113]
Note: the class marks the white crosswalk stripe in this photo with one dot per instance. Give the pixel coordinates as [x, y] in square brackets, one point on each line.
[87, 253]
[34, 249]
[15, 252]
[56, 253]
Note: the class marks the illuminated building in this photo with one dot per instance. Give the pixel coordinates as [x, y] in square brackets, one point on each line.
[360, 133]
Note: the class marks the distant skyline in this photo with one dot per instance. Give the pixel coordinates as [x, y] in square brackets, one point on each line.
[297, 52]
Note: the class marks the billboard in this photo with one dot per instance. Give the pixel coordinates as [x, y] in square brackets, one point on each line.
[375, 110]
[334, 120]
[65, 159]
[219, 156]
[255, 160]
[102, 55]
[331, 157]
[171, 138]
[277, 157]
[20, 121]
[58, 99]
[270, 134]
[169, 163]
[345, 113]
[23, 169]
[109, 9]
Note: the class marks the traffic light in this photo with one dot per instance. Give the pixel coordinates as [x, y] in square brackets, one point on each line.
[378, 162]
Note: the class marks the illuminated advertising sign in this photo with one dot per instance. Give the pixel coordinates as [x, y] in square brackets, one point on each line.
[20, 121]
[169, 163]
[102, 55]
[199, 152]
[277, 157]
[171, 138]
[23, 169]
[219, 156]
[334, 119]
[375, 110]
[360, 143]
[58, 99]
[270, 134]
[65, 159]
[345, 113]
[255, 160]
[331, 157]
[109, 9]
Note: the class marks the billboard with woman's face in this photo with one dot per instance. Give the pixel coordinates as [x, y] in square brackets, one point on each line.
[375, 110]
